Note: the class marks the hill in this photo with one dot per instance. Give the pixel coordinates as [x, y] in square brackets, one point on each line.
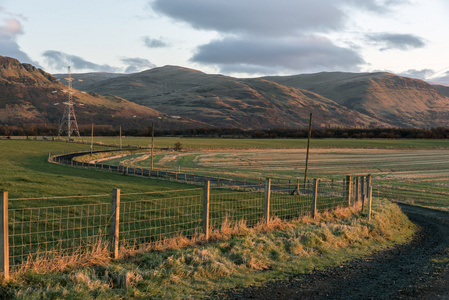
[229, 102]
[179, 97]
[399, 101]
[30, 95]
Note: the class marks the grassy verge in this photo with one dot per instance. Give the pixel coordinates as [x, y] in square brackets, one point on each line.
[237, 256]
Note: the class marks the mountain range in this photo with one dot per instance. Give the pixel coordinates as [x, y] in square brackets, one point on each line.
[178, 97]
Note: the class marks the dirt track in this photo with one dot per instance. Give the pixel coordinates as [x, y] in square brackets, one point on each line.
[417, 270]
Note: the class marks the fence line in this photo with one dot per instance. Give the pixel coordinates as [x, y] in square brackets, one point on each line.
[63, 230]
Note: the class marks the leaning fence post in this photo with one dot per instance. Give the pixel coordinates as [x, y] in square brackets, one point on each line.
[115, 222]
[206, 203]
[348, 190]
[315, 197]
[4, 238]
[266, 206]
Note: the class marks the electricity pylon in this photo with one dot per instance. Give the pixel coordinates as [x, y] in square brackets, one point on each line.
[68, 121]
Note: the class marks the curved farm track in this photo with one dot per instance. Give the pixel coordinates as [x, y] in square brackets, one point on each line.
[417, 270]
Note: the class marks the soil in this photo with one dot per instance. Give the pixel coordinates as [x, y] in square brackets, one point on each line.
[416, 270]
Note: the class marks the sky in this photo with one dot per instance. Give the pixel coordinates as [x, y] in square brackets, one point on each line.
[241, 38]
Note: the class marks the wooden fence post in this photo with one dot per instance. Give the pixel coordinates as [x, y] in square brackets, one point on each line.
[362, 192]
[266, 206]
[370, 201]
[206, 203]
[357, 189]
[4, 238]
[369, 191]
[315, 197]
[348, 190]
[115, 222]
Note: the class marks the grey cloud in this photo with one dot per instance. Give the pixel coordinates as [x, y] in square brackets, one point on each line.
[253, 16]
[420, 74]
[154, 43]
[266, 17]
[390, 41]
[60, 61]
[137, 64]
[9, 32]
[310, 53]
[444, 79]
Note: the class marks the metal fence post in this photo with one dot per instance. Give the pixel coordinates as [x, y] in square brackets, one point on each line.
[348, 190]
[115, 222]
[4, 238]
[206, 202]
[315, 197]
[266, 206]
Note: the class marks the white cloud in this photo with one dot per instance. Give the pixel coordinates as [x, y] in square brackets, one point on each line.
[9, 31]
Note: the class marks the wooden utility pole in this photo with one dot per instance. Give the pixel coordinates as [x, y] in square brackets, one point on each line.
[307, 154]
[92, 140]
[152, 144]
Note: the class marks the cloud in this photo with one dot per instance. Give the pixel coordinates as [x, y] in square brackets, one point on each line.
[137, 64]
[311, 53]
[9, 31]
[154, 43]
[60, 61]
[420, 74]
[395, 41]
[274, 36]
[266, 17]
[442, 79]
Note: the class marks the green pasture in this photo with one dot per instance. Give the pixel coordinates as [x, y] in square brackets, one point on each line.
[228, 143]
[26, 173]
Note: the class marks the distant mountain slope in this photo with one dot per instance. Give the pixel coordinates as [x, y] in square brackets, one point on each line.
[30, 95]
[82, 80]
[400, 101]
[226, 101]
[182, 97]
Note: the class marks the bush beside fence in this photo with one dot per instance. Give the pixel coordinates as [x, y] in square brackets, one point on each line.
[63, 230]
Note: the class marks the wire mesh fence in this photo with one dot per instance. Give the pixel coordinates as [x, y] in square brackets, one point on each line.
[149, 217]
[236, 206]
[59, 229]
[146, 221]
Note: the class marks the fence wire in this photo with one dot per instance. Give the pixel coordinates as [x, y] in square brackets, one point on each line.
[149, 217]
[61, 229]
[150, 220]
[289, 199]
[236, 206]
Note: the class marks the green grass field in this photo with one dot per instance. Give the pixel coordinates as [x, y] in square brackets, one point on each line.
[237, 260]
[223, 143]
[27, 174]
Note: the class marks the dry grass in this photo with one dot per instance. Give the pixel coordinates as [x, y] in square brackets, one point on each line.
[57, 261]
[235, 255]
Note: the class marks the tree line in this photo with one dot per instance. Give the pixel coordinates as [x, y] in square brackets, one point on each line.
[352, 133]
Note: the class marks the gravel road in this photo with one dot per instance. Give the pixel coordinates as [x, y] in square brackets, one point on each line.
[417, 270]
